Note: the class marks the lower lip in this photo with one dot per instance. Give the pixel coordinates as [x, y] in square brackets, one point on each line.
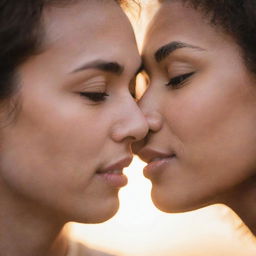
[153, 169]
[115, 179]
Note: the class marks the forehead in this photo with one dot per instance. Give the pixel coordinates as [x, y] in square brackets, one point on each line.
[87, 24]
[176, 22]
[82, 17]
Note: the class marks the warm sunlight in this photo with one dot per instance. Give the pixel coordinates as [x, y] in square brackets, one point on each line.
[140, 229]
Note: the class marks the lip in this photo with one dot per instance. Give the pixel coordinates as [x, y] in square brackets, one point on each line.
[119, 165]
[113, 174]
[157, 161]
[150, 155]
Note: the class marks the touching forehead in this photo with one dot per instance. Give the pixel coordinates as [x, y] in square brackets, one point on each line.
[176, 22]
[92, 27]
[89, 16]
[87, 31]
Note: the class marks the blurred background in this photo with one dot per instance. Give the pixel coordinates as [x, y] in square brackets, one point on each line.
[139, 229]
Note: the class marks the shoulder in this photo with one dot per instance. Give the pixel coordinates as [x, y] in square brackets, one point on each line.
[79, 249]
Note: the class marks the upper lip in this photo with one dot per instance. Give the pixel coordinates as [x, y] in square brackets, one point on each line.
[148, 155]
[118, 165]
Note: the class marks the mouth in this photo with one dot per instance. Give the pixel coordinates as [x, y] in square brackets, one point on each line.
[117, 167]
[113, 174]
[156, 160]
[149, 155]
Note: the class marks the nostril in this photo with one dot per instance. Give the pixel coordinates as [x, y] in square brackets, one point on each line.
[132, 138]
[127, 133]
[132, 126]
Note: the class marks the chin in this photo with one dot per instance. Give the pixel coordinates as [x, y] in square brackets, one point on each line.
[166, 205]
[171, 203]
[96, 214]
[103, 216]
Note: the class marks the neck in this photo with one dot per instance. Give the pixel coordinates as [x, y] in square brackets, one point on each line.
[243, 202]
[27, 229]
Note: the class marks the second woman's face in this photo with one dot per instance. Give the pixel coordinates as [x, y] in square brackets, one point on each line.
[201, 108]
[76, 118]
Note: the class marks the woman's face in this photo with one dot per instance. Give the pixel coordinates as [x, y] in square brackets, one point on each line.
[201, 108]
[71, 138]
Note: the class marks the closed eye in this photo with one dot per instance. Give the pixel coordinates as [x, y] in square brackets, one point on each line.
[178, 81]
[95, 96]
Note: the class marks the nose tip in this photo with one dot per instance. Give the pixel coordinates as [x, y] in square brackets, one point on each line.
[132, 127]
[150, 108]
[142, 128]
[154, 120]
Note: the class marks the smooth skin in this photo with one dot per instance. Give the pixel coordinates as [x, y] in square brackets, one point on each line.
[201, 109]
[76, 118]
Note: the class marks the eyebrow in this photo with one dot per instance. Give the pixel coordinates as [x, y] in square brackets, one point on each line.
[167, 49]
[106, 66]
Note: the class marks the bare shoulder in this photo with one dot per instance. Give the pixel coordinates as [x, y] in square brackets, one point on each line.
[80, 249]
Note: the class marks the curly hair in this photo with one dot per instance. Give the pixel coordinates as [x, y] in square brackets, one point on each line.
[21, 35]
[235, 17]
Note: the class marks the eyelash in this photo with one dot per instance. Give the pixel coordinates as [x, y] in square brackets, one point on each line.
[177, 81]
[99, 96]
[95, 96]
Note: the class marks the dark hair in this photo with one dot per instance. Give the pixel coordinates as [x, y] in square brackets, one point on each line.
[235, 17]
[20, 37]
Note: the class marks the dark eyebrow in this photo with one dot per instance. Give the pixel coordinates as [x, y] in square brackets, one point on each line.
[167, 49]
[111, 67]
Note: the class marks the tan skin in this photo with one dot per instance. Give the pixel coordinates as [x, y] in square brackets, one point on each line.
[76, 121]
[201, 109]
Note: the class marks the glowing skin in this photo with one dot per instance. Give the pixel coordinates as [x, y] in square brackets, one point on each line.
[62, 158]
[201, 109]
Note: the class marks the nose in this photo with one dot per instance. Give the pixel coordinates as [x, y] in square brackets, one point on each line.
[151, 112]
[154, 120]
[131, 125]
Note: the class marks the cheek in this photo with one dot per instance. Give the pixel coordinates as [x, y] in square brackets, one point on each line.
[215, 127]
[64, 124]
[210, 109]
[52, 146]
